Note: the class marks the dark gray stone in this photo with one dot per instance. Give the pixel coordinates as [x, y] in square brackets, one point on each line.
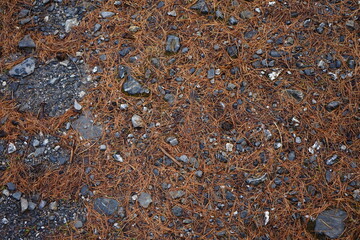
[291, 156]
[219, 15]
[297, 94]
[233, 21]
[177, 194]
[331, 106]
[211, 73]
[331, 223]
[106, 206]
[177, 211]
[125, 51]
[134, 88]
[86, 127]
[230, 196]
[27, 43]
[23, 69]
[200, 6]
[256, 180]
[11, 186]
[332, 160]
[17, 195]
[172, 44]
[107, 14]
[232, 51]
[250, 34]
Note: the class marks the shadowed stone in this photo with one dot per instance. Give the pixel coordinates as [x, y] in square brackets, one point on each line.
[172, 44]
[27, 43]
[106, 206]
[133, 87]
[23, 69]
[331, 223]
[200, 6]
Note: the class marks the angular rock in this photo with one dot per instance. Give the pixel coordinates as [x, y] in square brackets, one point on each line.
[332, 160]
[11, 186]
[145, 199]
[70, 23]
[27, 43]
[297, 94]
[331, 223]
[106, 206]
[172, 44]
[177, 194]
[137, 121]
[107, 14]
[256, 180]
[86, 127]
[232, 51]
[200, 6]
[24, 204]
[134, 88]
[246, 14]
[24, 68]
[331, 106]
[177, 211]
[172, 141]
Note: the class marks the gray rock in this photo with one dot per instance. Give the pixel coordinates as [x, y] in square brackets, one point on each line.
[86, 127]
[17, 195]
[233, 21]
[200, 6]
[211, 73]
[274, 53]
[199, 173]
[331, 223]
[11, 186]
[27, 43]
[106, 206]
[107, 14]
[184, 158]
[351, 24]
[77, 106]
[53, 206]
[70, 23]
[137, 121]
[230, 196]
[32, 206]
[172, 141]
[23, 69]
[250, 34]
[332, 160]
[219, 14]
[78, 224]
[42, 204]
[331, 106]
[39, 151]
[144, 199]
[11, 148]
[170, 98]
[246, 14]
[24, 204]
[97, 27]
[297, 94]
[232, 51]
[177, 211]
[172, 44]
[177, 194]
[291, 156]
[134, 88]
[102, 147]
[256, 180]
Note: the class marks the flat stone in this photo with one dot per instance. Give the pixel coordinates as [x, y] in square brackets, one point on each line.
[106, 206]
[24, 68]
[27, 43]
[137, 121]
[297, 94]
[172, 44]
[331, 223]
[246, 14]
[177, 194]
[172, 141]
[332, 160]
[256, 180]
[11, 186]
[331, 106]
[134, 88]
[177, 211]
[200, 6]
[70, 23]
[32, 206]
[11, 148]
[53, 206]
[78, 224]
[24, 204]
[107, 14]
[199, 173]
[17, 195]
[144, 199]
[232, 51]
[86, 127]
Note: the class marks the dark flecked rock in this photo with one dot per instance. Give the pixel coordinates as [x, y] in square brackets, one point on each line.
[219, 15]
[11, 186]
[172, 44]
[23, 69]
[232, 51]
[233, 21]
[331, 106]
[27, 43]
[106, 206]
[200, 6]
[177, 211]
[256, 180]
[125, 51]
[134, 88]
[86, 127]
[297, 94]
[331, 223]
[331, 161]
[123, 71]
[250, 34]
[230, 196]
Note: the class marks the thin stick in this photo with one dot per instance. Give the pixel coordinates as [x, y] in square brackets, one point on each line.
[169, 156]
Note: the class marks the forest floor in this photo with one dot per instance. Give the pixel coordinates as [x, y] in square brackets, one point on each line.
[179, 119]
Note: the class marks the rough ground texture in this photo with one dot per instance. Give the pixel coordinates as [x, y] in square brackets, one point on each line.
[179, 119]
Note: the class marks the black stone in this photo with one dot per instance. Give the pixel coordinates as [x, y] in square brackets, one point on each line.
[232, 51]
[331, 106]
[200, 6]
